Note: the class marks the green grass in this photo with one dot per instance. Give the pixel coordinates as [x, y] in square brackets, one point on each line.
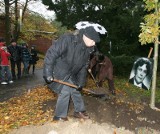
[134, 93]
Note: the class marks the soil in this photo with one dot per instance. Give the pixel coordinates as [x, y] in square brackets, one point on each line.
[122, 115]
[106, 117]
[112, 116]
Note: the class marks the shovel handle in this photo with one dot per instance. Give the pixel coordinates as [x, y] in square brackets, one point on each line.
[93, 78]
[65, 83]
[74, 86]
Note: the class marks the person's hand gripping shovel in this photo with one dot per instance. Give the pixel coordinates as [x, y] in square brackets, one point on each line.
[102, 95]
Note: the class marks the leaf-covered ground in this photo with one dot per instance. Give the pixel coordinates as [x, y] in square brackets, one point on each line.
[35, 107]
[25, 110]
[129, 109]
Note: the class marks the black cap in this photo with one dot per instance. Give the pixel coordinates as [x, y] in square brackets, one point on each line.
[2, 39]
[91, 33]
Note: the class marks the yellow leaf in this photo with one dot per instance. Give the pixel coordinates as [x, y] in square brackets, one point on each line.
[6, 117]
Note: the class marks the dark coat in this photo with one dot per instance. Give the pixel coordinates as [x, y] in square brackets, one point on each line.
[132, 82]
[104, 68]
[34, 56]
[26, 56]
[67, 58]
[15, 52]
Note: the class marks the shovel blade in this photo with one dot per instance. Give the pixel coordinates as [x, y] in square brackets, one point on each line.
[97, 94]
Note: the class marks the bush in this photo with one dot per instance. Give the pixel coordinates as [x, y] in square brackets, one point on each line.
[122, 65]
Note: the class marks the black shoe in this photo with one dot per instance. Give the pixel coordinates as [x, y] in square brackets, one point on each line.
[113, 92]
[55, 118]
[81, 115]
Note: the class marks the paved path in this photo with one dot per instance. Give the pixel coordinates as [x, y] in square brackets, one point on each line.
[21, 85]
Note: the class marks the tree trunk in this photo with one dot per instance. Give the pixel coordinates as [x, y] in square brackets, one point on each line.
[17, 24]
[16, 28]
[7, 22]
[153, 91]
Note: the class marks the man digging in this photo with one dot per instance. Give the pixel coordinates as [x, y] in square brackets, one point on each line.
[67, 59]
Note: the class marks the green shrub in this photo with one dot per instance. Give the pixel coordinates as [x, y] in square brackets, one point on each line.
[122, 65]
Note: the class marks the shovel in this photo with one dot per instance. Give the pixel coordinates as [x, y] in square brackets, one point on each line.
[93, 78]
[93, 93]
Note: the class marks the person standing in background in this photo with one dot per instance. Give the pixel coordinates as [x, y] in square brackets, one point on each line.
[6, 76]
[15, 59]
[33, 60]
[2, 43]
[26, 56]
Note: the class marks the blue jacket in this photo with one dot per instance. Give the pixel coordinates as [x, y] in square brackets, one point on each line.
[26, 56]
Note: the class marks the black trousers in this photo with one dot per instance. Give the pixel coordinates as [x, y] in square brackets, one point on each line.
[13, 68]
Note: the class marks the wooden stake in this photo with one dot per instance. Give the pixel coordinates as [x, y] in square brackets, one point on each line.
[150, 52]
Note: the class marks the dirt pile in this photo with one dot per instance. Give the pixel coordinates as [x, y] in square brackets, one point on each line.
[72, 127]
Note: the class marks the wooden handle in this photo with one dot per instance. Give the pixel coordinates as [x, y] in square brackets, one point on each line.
[65, 83]
[151, 49]
[74, 86]
[93, 78]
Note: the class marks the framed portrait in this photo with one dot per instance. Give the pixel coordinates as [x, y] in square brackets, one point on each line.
[141, 73]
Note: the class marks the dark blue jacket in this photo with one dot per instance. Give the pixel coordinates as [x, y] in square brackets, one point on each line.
[26, 56]
[34, 56]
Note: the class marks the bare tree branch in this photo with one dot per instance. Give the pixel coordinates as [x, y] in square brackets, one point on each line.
[38, 31]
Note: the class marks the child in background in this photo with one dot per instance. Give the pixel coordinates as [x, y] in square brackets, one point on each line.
[26, 56]
[5, 70]
[33, 60]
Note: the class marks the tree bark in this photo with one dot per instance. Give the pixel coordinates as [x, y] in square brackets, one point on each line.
[16, 28]
[7, 22]
[153, 91]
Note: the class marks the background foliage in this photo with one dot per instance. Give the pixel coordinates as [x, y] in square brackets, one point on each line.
[121, 18]
[38, 23]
